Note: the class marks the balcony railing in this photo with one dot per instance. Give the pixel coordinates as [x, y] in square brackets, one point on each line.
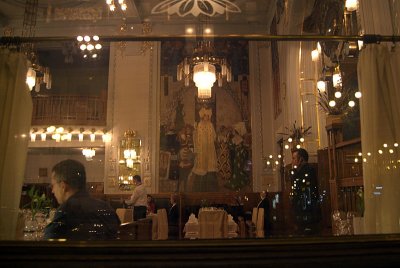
[69, 110]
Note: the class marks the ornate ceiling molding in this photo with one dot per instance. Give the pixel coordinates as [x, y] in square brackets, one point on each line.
[195, 7]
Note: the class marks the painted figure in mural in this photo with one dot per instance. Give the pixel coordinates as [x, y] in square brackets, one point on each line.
[204, 173]
[224, 161]
[204, 144]
[239, 153]
[185, 156]
[304, 195]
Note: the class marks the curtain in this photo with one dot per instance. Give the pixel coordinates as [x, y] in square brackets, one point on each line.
[379, 82]
[15, 120]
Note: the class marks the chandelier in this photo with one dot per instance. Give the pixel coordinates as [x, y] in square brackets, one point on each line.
[205, 67]
[130, 150]
[112, 6]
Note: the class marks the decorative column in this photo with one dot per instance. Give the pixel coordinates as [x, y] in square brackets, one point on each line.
[334, 127]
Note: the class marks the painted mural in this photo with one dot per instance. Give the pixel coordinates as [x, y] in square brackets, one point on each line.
[205, 145]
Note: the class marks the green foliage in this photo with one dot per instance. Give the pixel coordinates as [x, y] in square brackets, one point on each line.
[38, 202]
[296, 132]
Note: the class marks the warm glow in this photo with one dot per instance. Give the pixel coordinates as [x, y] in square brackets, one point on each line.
[338, 94]
[79, 38]
[337, 79]
[321, 85]
[207, 31]
[360, 44]
[351, 5]
[92, 137]
[51, 129]
[352, 103]
[43, 136]
[88, 153]
[80, 136]
[31, 78]
[332, 103]
[314, 55]
[97, 46]
[204, 78]
[96, 38]
[358, 94]
[129, 163]
[56, 137]
[86, 38]
[106, 137]
[33, 137]
[319, 48]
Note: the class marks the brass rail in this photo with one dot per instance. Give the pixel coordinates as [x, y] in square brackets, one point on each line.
[250, 37]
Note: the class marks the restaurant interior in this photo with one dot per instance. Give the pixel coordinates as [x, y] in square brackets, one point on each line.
[208, 102]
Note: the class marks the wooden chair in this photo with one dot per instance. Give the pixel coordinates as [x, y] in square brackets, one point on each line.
[138, 230]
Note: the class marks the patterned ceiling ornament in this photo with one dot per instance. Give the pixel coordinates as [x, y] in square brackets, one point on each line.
[195, 7]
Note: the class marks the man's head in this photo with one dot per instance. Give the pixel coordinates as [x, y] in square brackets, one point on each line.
[299, 157]
[173, 198]
[263, 194]
[137, 179]
[67, 178]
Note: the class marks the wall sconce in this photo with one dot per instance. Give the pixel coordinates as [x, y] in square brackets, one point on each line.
[89, 153]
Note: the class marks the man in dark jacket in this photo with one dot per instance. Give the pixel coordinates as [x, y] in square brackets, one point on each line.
[173, 218]
[79, 217]
[304, 195]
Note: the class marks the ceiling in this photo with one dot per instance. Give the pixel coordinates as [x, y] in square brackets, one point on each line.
[77, 17]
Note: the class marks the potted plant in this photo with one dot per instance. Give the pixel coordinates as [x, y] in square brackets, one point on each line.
[336, 108]
[296, 134]
[38, 202]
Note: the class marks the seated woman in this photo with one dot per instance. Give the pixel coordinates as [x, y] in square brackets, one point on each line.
[151, 205]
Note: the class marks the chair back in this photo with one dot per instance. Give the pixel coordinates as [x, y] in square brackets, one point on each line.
[162, 232]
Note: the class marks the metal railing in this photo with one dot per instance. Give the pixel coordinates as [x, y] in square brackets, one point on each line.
[69, 110]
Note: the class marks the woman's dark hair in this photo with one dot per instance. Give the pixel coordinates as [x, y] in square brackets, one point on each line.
[72, 173]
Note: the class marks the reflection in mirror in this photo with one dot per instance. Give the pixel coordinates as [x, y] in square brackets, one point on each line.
[129, 160]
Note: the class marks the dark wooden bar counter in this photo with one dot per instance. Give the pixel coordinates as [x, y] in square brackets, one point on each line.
[351, 251]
